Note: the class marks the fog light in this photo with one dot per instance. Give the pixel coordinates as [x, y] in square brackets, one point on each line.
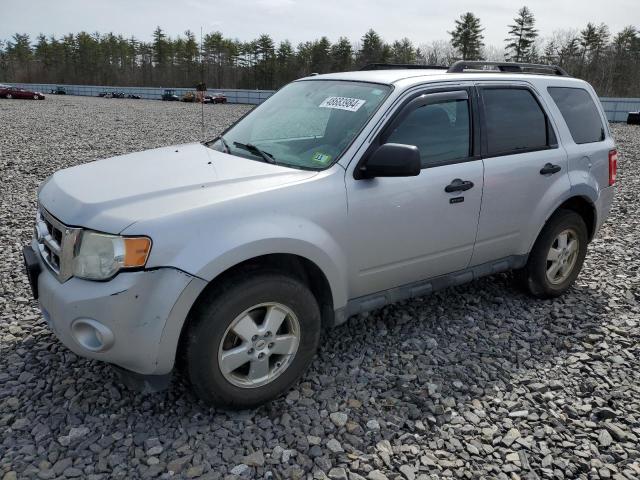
[92, 335]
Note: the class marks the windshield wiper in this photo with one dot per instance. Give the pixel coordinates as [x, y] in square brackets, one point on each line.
[267, 157]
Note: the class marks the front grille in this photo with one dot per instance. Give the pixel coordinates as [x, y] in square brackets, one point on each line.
[56, 242]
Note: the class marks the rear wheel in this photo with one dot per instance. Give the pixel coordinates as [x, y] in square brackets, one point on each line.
[557, 256]
[35, 97]
[250, 342]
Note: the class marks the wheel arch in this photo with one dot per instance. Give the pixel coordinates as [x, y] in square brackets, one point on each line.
[579, 202]
[297, 266]
[585, 208]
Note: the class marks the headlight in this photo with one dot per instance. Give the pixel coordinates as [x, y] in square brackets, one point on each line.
[100, 256]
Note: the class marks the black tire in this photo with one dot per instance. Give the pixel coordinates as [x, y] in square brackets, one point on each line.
[214, 314]
[534, 275]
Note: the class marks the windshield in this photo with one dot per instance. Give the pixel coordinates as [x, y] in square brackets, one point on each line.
[307, 124]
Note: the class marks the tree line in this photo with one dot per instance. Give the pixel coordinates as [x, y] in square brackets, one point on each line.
[611, 63]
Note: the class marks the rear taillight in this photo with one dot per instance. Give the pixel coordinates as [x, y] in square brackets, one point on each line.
[613, 166]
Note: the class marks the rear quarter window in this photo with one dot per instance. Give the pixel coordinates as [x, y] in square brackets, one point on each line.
[580, 113]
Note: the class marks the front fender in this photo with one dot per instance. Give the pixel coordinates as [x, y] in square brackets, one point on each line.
[323, 252]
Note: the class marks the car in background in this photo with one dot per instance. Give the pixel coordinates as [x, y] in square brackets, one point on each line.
[189, 97]
[8, 91]
[169, 95]
[58, 91]
[134, 96]
[215, 98]
[111, 94]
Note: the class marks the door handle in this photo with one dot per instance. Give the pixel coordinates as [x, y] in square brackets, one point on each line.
[458, 185]
[550, 169]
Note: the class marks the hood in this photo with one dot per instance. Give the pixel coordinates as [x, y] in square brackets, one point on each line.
[109, 195]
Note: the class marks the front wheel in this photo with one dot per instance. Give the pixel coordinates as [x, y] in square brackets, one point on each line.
[250, 342]
[9, 96]
[557, 256]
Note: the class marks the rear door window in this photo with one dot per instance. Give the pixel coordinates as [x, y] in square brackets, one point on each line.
[580, 113]
[514, 121]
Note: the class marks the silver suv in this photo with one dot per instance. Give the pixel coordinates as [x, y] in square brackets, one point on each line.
[340, 194]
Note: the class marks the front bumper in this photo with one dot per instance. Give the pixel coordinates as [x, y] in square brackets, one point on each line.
[138, 316]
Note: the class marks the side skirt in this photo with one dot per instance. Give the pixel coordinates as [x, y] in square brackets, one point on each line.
[420, 288]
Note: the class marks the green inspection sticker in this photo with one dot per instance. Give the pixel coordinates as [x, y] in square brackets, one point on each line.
[320, 157]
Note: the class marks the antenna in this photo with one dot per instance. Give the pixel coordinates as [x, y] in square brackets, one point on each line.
[204, 88]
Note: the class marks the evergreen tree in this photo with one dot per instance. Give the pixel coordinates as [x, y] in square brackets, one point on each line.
[321, 56]
[373, 49]
[265, 62]
[467, 37]
[611, 65]
[161, 50]
[285, 63]
[403, 51]
[341, 55]
[522, 36]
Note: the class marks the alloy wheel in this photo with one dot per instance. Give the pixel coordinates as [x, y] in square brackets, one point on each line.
[562, 256]
[259, 345]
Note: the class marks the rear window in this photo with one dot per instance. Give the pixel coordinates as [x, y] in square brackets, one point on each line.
[514, 121]
[580, 113]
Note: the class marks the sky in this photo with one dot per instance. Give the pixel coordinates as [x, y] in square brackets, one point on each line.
[422, 21]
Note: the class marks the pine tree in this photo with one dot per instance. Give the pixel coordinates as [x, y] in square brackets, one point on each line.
[321, 56]
[522, 36]
[373, 49]
[467, 37]
[341, 55]
[403, 51]
[161, 50]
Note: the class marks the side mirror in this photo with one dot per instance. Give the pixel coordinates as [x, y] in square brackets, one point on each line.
[391, 160]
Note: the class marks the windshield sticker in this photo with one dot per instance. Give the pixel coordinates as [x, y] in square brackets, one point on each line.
[342, 103]
[321, 158]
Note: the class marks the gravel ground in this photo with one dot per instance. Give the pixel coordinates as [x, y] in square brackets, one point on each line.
[479, 381]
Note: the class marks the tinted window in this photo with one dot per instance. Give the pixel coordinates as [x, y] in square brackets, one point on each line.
[580, 113]
[514, 120]
[439, 130]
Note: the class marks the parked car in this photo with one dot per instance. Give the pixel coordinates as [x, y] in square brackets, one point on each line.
[134, 96]
[215, 98]
[59, 91]
[189, 97]
[111, 94]
[339, 194]
[169, 95]
[16, 92]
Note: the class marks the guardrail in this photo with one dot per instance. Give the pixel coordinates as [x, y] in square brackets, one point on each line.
[615, 108]
[253, 97]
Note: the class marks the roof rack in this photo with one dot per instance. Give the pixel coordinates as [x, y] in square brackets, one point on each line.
[506, 67]
[398, 66]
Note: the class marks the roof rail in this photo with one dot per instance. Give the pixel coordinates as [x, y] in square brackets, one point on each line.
[506, 67]
[399, 66]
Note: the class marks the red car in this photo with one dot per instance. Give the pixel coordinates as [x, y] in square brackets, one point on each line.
[7, 91]
[215, 98]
